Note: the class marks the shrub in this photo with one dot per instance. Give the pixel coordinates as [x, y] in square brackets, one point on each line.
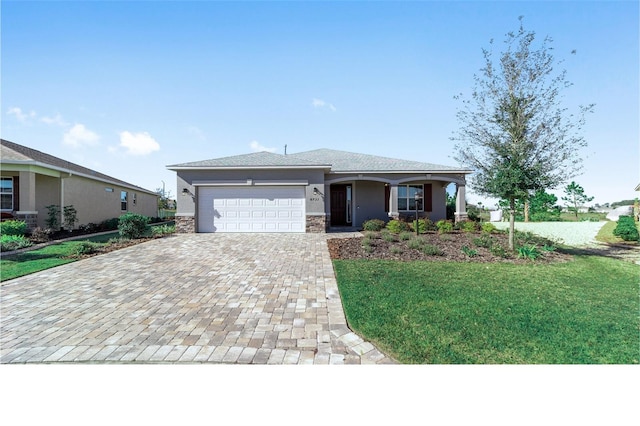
[528, 252]
[432, 250]
[40, 235]
[498, 250]
[469, 252]
[467, 226]
[85, 247]
[13, 242]
[371, 235]
[415, 243]
[548, 248]
[423, 225]
[626, 229]
[53, 216]
[405, 235]
[395, 250]
[109, 224]
[444, 226]
[163, 229]
[388, 237]
[70, 217]
[13, 227]
[396, 226]
[484, 240]
[373, 225]
[132, 226]
[488, 227]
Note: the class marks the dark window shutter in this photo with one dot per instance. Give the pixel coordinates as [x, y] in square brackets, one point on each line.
[427, 197]
[387, 194]
[16, 193]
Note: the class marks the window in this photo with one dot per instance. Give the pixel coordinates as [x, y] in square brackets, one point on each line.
[407, 197]
[123, 201]
[134, 199]
[6, 193]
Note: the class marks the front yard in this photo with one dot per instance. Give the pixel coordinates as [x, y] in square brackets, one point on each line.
[584, 311]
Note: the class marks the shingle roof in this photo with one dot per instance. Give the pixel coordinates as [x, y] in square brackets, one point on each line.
[343, 161]
[338, 161]
[255, 159]
[11, 152]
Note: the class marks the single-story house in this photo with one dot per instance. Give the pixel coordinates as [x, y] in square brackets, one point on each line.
[32, 180]
[309, 191]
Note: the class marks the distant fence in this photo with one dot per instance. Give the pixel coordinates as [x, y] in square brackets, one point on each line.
[166, 213]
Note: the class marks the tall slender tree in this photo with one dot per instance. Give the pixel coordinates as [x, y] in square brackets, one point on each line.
[514, 132]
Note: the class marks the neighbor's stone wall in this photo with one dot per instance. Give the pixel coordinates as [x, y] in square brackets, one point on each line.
[185, 224]
[316, 224]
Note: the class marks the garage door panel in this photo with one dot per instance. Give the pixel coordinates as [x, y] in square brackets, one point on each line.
[251, 209]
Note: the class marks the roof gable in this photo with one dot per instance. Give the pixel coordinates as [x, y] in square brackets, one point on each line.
[11, 152]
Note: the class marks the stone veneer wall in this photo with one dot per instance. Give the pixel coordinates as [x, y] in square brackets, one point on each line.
[185, 224]
[316, 224]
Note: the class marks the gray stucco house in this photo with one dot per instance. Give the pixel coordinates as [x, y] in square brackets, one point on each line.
[309, 191]
[31, 180]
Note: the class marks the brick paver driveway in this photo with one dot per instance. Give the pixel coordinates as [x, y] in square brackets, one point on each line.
[222, 298]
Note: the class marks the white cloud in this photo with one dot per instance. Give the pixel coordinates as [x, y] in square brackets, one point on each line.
[57, 120]
[256, 147]
[138, 143]
[20, 115]
[319, 103]
[78, 136]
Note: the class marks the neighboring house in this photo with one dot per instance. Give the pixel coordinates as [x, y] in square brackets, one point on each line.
[32, 180]
[309, 191]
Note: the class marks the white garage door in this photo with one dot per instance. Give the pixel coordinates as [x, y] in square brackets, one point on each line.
[251, 209]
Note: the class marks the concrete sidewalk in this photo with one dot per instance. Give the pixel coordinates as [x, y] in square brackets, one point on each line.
[217, 298]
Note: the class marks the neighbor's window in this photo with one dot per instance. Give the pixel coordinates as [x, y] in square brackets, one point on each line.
[6, 193]
[123, 200]
[407, 197]
[134, 199]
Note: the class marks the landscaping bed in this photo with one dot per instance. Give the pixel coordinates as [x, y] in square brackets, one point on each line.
[455, 246]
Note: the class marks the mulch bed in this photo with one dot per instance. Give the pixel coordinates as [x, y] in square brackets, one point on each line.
[451, 244]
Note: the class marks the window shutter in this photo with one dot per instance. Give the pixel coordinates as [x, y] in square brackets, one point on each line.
[427, 197]
[16, 193]
[387, 195]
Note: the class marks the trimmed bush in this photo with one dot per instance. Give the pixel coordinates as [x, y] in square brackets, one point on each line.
[467, 226]
[626, 229]
[488, 227]
[397, 226]
[132, 226]
[424, 225]
[373, 225]
[13, 242]
[444, 226]
[85, 247]
[13, 227]
[40, 235]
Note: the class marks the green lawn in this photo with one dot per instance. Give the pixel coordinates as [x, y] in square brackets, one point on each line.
[44, 258]
[582, 312]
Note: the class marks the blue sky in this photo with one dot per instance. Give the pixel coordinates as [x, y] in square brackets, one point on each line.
[127, 88]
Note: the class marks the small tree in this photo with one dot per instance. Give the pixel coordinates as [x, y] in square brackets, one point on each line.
[575, 197]
[53, 214]
[70, 217]
[514, 133]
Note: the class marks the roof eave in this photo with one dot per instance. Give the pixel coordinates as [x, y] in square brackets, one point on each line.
[177, 167]
[74, 173]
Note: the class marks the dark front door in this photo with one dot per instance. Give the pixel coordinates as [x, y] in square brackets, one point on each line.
[341, 205]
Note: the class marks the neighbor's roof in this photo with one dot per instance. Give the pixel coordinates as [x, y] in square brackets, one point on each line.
[13, 153]
[336, 161]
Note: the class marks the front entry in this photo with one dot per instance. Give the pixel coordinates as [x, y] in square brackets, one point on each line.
[341, 196]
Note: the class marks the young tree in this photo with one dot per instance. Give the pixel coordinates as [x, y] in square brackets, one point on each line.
[514, 132]
[575, 197]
